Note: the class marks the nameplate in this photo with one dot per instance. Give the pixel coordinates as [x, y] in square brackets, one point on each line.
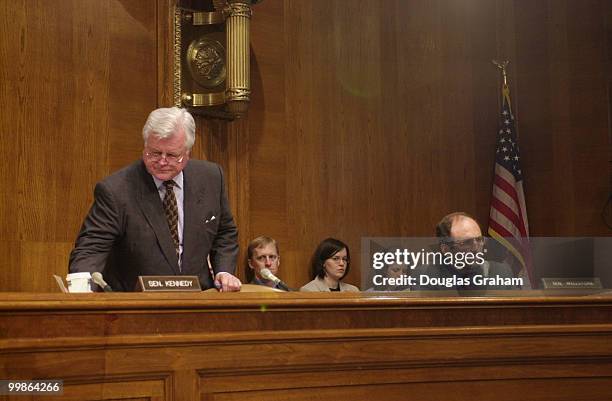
[168, 283]
[581, 283]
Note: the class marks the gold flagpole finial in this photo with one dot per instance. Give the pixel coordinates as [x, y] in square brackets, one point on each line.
[502, 66]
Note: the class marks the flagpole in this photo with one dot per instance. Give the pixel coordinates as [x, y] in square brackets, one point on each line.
[508, 222]
[502, 65]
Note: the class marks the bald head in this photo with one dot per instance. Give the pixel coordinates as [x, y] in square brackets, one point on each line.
[457, 228]
[464, 227]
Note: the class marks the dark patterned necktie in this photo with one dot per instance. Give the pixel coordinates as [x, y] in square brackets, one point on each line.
[171, 211]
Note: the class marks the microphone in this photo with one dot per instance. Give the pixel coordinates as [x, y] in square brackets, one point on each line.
[97, 278]
[267, 274]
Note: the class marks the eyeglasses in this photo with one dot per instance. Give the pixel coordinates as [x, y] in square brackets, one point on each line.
[468, 242]
[262, 258]
[337, 259]
[156, 156]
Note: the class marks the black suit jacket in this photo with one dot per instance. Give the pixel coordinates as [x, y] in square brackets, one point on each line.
[126, 234]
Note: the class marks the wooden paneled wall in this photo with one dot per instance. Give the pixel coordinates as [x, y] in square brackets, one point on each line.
[77, 81]
[368, 118]
[378, 118]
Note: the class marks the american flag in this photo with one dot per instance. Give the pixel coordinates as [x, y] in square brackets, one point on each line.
[508, 215]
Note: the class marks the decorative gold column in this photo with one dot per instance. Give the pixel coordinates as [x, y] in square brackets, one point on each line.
[211, 58]
[238, 87]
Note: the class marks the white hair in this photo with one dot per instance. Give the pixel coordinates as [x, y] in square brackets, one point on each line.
[165, 122]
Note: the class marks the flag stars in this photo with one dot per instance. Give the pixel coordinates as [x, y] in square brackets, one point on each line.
[507, 148]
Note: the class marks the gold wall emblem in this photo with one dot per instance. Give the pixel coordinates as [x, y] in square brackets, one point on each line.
[206, 62]
[211, 57]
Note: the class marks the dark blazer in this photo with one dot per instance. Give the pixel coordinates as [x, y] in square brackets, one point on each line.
[126, 233]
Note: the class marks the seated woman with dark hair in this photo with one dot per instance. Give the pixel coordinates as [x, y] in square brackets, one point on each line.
[330, 263]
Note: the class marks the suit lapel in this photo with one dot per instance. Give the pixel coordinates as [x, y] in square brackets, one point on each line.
[193, 215]
[151, 206]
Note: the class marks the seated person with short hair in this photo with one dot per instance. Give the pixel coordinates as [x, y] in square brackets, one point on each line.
[330, 264]
[262, 253]
[459, 235]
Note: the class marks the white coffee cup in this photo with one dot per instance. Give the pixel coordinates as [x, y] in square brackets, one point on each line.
[79, 282]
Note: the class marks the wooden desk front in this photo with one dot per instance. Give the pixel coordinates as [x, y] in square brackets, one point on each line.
[269, 346]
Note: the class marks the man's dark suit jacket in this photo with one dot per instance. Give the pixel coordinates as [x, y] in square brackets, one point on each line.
[126, 233]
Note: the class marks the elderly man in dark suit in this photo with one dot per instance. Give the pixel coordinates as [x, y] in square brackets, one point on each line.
[162, 215]
[459, 233]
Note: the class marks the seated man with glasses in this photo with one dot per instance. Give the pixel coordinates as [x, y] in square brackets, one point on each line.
[463, 254]
[162, 215]
[262, 253]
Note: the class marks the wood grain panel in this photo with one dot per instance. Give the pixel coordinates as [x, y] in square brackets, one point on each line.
[50, 256]
[78, 80]
[120, 389]
[505, 390]
[11, 265]
[410, 376]
[267, 153]
[215, 346]
[383, 118]
[561, 101]
[391, 110]
[132, 83]
[368, 118]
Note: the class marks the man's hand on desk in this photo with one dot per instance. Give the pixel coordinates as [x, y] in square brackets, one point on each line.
[226, 282]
